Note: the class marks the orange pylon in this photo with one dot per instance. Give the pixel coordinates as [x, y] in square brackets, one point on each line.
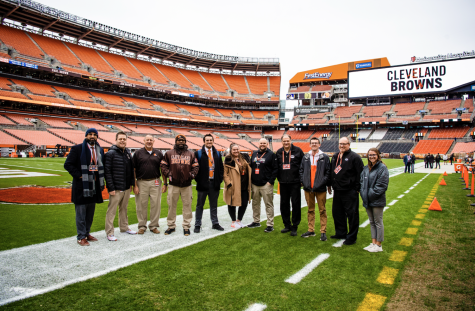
[442, 182]
[445, 174]
[466, 179]
[278, 188]
[435, 206]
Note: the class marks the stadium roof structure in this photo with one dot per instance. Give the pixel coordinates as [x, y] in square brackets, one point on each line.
[69, 27]
[337, 72]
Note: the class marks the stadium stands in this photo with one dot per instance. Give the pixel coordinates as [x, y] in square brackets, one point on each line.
[258, 85]
[121, 64]
[149, 70]
[77, 137]
[387, 147]
[300, 135]
[20, 41]
[274, 85]
[167, 106]
[407, 109]
[364, 134]
[9, 141]
[375, 111]
[12, 94]
[433, 146]
[19, 118]
[86, 104]
[226, 112]
[174, 75]
[455, 132]
[5, 83]
[191, 109]
[110, 99]
[443, 107]
[469, 104]
[346, 112]
[378, 134]
[91, 57]
[244, 144]
[141, 103]
[464, 147]
[141, 129]
[196, 79]
[276, 145]
[244, 113]
[55, 122]
[74, 93]
[363, 148]
[6, 121]
[252, 135]
[36, 88]
[237, 83]
[216, 81]
[56, 49]
[38, 138]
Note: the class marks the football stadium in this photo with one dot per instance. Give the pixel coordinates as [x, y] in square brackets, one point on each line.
[64, 78]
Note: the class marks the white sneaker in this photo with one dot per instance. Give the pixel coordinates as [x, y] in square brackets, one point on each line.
[111, 238]
[234, 225]
[129, 231]
[240, 224]
[375, 249]
[367, 248]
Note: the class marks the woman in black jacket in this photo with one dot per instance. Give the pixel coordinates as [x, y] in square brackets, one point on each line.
[374, 183]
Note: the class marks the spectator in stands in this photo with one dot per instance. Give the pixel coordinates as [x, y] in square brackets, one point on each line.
[346, 168]
[237, 184]
[85, 164]
[374, 183]
[431, 160]
[147, 185]
[407, 163]
[208, 182]
[413, 162]
[315, 177]
[180, 166]
[289, 158]
[264, 172]
[119, 174]
[445, 157]
[437, 160]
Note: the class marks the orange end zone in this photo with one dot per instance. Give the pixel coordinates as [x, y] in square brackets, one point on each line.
[37, 195]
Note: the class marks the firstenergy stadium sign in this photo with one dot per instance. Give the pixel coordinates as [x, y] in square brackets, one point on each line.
[435, 77]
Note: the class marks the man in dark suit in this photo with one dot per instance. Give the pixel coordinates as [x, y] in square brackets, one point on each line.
[85, 164]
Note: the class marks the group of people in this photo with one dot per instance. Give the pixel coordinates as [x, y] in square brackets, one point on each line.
[409, 161]
[429, 160]
[245, 178]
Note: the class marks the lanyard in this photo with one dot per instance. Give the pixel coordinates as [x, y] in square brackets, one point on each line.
[283, 159]
[93, 158]
[258, 160]
[210, 159]
[339, 158]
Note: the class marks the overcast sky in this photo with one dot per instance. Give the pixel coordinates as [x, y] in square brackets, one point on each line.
[302, 34]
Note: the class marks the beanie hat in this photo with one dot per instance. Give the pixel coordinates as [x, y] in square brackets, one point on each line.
[180, 136]
[92, 130]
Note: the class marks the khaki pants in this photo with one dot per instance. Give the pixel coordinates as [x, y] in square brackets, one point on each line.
[121, 199]
[321, 201]
[174, 194]
[147, 189]
[267, 193]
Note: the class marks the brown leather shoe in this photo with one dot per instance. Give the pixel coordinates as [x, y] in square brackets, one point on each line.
[83, 242]
[90, 238]
[141, 231]
[156, 231]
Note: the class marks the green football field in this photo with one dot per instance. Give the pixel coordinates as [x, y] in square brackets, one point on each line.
[428, 260]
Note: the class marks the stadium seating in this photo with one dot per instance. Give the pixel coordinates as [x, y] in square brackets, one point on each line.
[395, 147]
[438, 117]
[445, 106]
[12, 94]
[38, 138]
[274, 83]
[8, 140]
[346, 112]
[92, 124]
[363, 148]
[258, 85]
[216, 81]
[86, 104]
[191, 109]
[5, 83]
[226, 112]
[464, 147]
[20, 119]
[433, 146]
[49, 99]
[394, 134]
[305, 146]
[321, 88]
[20, 41]
[56, 49]
[301, 89]
[407, 109]
[371, 119]
[455, 132]
[91, 57]
[36, 88]
[244, 113]
[167, 106]
[468, 104]
[77, 137]
[196, 79]
[6, 121]
[252, 135]
[330, 145]
[375, 111]
[121, 64]
[141, 103]
[364, 134]
[110, 99]
[149, 70]
[55, 122]
[237, 83]
[300, 135]
[379, 134]
[74, 93]
[174, 75]
[244, 144]
[140, 129]
[276, 145]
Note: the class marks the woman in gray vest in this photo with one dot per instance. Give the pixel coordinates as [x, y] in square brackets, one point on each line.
[374, 183]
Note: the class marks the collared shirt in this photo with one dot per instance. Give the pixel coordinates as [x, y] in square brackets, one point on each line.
[147, 164]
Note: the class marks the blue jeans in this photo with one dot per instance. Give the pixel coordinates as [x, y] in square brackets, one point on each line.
[84, 217]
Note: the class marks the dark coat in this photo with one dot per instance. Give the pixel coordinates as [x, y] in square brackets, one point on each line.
[374, 184]
[73, 166]
[267, 168]
[202, 178]
[322, 176]
[115, 169]
[349, 176]
[292, 175]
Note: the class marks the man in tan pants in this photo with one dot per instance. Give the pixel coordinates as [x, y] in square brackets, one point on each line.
[264, 172]
[147, 185]
[314, 177]
[119, 175]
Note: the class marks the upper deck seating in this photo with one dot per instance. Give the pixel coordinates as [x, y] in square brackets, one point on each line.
[56, 49]
[20, 119]
[12, 94]
[196, 79]
[49, 99]
[75, 93]
[110, 99]
[455, 132]
[258, 85]
[86, 104]
[407, 109]
[321, 88]
[216, 81]
[91, 57]
[36, 88]
[375, 111]
[211, 111]
[226, 112]
[237, 83]
[6, 121]
[5, 83]
[20, 41]
[149, 70]
[191, 109]
[174, 75]
[300, 135]
[167, 106]
[244, 113]
[346, 112]
[275, 85]
[141, 103]
[38, 138]
[121, 64]
[6, 139]
[444, 106]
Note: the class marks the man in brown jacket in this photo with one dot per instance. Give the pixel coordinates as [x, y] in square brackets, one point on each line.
[180, 166]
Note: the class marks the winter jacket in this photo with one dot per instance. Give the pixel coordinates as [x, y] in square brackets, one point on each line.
[234, 181]
[118, 169]
[73, 166]
[374, 184]
[202, 178]
[180, 166]
[322, 175]
[349, 176]
[267, 168]
[413, 159]
[291, 175]
[438, 158]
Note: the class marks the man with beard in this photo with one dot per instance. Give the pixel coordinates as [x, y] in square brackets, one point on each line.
[147, 185]
[263, 174]
[180, 166]
[208, 182]
[85, 165]
[346, 168]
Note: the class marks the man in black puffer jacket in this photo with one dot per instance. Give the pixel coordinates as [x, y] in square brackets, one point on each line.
[119, 175]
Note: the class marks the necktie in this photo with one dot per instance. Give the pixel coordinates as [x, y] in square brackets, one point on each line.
[210, 163]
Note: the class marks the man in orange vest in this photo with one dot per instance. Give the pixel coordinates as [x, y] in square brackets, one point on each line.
[315, 177]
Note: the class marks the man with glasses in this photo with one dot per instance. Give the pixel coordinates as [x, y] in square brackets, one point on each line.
[315, 176]
[346, 167]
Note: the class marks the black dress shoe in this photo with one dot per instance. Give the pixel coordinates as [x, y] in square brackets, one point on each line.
[293, 233]
[323, 237]
[197, 229]
[349, 242]
[285, 230]
[338, 237]
[218, 227]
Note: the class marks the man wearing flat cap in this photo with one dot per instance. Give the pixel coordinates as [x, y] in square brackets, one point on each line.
[180, 167]
[85, 164]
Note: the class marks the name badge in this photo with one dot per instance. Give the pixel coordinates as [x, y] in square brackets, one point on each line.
[156, 183]
[93, 168]
[243, 172]
[337, 169]
[256, 171]
[286, 166]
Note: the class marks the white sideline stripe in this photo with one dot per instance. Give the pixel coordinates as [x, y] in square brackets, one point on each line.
[36, 168]
[256, 307]
[411, 188]
[385, 208]
[401, 196]
[340, 243]
[392, 202]
[297, 277]
[407, 191]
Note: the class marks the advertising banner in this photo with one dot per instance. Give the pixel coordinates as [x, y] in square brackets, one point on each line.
[308, 110]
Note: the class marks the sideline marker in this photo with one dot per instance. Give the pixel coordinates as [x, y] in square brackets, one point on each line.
[445, 174]
[435, 206]
[442, 182]
[472, 189]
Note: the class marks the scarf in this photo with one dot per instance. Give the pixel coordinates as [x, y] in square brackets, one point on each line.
[88, 184]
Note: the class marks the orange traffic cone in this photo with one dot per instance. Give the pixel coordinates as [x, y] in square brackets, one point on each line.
[435, 206]
[442, 182]
[445, 174]
[278, 188]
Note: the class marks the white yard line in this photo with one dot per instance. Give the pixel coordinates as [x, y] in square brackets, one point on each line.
[256, 307]
[401, 196]
[297, 277]
[392, 202]
[339, 243]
